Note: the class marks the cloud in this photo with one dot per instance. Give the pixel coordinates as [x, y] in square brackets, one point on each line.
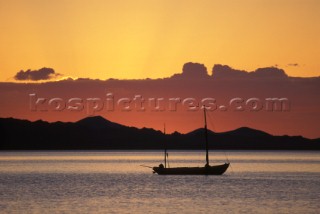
[302, 92]
[293, 64]
[226, 72]
[36, 75]
[192, 70]
[269, 72]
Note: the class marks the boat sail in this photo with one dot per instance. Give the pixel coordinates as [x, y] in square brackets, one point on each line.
[206, 170]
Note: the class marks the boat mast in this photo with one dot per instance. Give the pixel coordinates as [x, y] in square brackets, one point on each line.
[165, 148]
[206, 135]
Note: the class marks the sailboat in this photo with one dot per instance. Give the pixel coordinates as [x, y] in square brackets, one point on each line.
[206, 170]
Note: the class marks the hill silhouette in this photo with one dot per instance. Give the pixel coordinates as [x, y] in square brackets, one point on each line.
[95, 133]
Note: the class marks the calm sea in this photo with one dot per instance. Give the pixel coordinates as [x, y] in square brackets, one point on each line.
[114, 182]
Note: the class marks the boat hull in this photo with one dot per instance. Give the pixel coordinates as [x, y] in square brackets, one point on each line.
[210, 170]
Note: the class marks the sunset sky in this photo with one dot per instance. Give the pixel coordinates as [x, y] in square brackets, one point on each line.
[153, 38]
[135, 40]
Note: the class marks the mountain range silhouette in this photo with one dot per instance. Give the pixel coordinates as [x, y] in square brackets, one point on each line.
[98, 133]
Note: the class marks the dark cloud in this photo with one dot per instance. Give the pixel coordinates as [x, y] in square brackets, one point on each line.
[293, 64]
[269, 72]
[35, 75]
[193, 71]
[302, 92]
[224, 71]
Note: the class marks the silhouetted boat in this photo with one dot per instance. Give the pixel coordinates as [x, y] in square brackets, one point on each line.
[206, 170]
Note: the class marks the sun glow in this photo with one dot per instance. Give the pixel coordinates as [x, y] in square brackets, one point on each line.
[140, 39]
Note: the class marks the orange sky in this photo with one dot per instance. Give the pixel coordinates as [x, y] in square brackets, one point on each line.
[153, 38]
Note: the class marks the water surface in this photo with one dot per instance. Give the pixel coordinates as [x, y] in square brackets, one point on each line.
[114, 182]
